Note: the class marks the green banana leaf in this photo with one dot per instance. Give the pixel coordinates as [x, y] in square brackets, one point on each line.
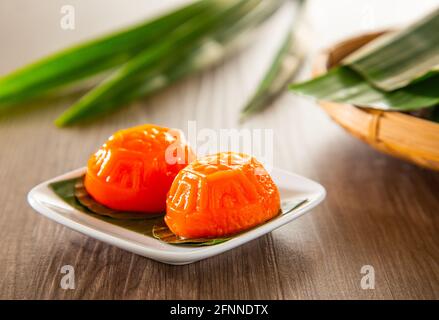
[161, 231]
[180, 54]
[394, 60]
[431, 114]
[148, 225]
[65, 189]
[341, 84]
[435, 114]
[93, 57]
[73, 192]
[87, 201]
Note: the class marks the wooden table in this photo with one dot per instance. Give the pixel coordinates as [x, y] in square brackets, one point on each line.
[379, 211]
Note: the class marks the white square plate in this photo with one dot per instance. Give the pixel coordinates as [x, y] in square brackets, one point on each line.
[46, 202]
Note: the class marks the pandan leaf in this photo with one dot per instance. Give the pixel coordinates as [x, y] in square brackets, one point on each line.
[95, 56]
[183, 52]
[282, 69]
[344, 85]
[395, 59]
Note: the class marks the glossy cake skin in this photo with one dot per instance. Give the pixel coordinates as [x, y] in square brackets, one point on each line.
[219, 195]
[134, 169]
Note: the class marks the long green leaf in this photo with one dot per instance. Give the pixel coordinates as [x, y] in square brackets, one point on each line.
[212, 50]
[116, 89]
[393, 61]
[344, 85]
[93, 57]
[182, 53]
[284, 66]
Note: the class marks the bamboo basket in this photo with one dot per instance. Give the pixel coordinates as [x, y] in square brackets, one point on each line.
[395, 133]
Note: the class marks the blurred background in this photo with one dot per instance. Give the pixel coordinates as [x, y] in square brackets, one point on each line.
[30, 31]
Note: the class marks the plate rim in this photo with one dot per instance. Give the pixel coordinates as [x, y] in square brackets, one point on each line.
[182, 257]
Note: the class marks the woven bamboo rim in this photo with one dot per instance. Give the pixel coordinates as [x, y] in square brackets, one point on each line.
[398, 134]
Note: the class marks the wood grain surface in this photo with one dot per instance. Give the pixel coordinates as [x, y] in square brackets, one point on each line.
[379, 211]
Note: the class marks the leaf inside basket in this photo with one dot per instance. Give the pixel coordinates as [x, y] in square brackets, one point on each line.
[396, 59]
[344, 85]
